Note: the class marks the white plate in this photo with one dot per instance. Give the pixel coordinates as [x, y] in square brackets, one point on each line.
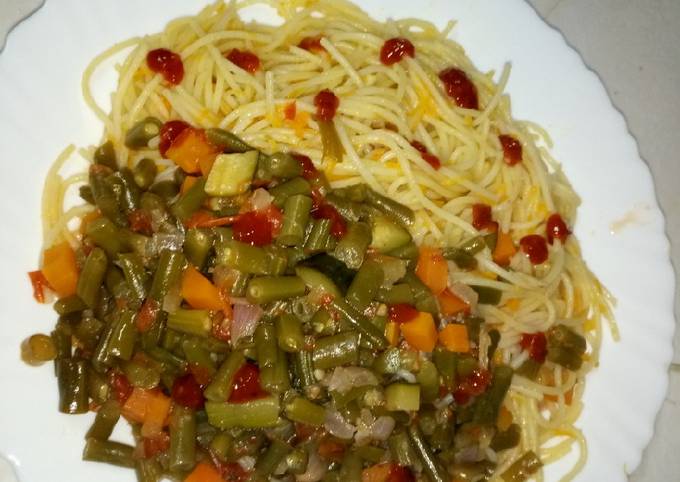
[41, 111]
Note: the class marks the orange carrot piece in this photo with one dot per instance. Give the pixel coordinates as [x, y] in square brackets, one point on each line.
[199, 292]
[450, 304]
[505, 249]
[204, 472]
[392, 333]
[432, 269]
[87, 219]
[187, 183]
[192, 152]
[420, 332]
[455, 338]
[60, 270]
[376, 473]
[146, 406]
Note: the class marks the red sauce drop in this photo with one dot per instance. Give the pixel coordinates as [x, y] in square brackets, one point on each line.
[39, 283]
[512, 150]
[400, 473]
[431, 159]
[394, 49]
[290, 111]
[556, 228]
[402, 313]
[312, 44]
[155, 445]
[460, 88]
[326, 103]
[246, 384]
[187, 392]
[121, 387]
[140, 222]
[166, 63]
[536, 247]
[323, 210]
[147, 314]
[232, 472]
[169, 133]
[309, 172]
[257, 227]
[471, 386]
[536, 345]
[481, 216]
[245, 59]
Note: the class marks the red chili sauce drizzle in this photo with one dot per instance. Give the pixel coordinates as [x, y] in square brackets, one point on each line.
[169, 132]
[257, 227]
[556, 228]
[312, 44]
[536, 345]
[536, 247]
[245, 59]
[460, 88]
[394, 49]
[431, 159]
[166, 63]
[326, 103]
[512, 149]
[481, 216]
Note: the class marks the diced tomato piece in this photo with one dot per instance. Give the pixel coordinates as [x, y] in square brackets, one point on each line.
[400, 473]
[402, 313]
[187, 392]
[140, 222]
[331, 449]
[246, 384]
[39, 283]
[327, 211]
[153, 446]
[120, 385]
[536, 345]
[309, 172]
[258, 227]
[471, 386]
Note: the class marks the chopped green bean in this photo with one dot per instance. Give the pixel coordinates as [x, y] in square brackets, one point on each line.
[226, 141]
[182, 453]
[266, 289]
[351, 249]
[399, 293]
[523, 468]
[368, 330]
[395, 210]
[487, 406]
[365, 285]
[402, 396]
[72, 382]
[106, 155]
[283, 191]
[142, 132]
[295, 218]
[289, 333]
[135, 274]
[122, 342]
[220, 386]
[105, 235]
[192, 322]
[145, 172]
[108, 452]
[197, 246]
[92, 277]
[336, 350]
[258, 413]
[168, 272]
[106, 419]
[487, 295]
[189, 202]
[303, 411]
[432, 467]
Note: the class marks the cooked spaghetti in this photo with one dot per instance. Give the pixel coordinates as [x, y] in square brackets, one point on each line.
[400, 123]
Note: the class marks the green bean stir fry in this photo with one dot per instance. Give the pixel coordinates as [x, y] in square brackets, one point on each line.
[252, 323]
